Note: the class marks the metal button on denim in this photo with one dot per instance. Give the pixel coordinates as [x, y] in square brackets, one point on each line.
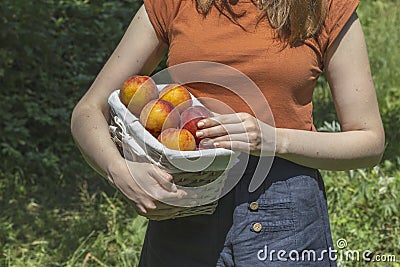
[257, 227]
[253, 206]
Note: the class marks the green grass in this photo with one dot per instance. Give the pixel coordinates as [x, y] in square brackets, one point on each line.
[364, 210]
[102, 230]
[96, 224]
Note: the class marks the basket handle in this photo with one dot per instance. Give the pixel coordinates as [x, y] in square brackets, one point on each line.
[121, 126]
[120, 136]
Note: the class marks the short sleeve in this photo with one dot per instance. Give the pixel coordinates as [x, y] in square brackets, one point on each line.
[161, 14]
[338, 15]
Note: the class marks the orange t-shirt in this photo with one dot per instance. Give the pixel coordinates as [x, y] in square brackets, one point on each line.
[286, 76]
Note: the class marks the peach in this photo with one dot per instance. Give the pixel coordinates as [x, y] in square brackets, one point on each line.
[178, 139]
[136, 92]
[178, 95]
[158, 115]
[191, 116]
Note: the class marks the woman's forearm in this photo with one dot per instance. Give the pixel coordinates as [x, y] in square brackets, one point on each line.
[90, 131]
[330, 151]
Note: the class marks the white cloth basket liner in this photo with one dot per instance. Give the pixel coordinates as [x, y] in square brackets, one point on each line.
[145, 148]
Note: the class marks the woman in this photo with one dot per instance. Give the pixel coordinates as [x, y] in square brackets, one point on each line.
[283, 46]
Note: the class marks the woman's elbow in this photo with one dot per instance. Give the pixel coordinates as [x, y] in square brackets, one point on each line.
[76, 113]
[86, 111]
[80, 110]
[377, 148]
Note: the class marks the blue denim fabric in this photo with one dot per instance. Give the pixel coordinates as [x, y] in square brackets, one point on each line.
[292, 212]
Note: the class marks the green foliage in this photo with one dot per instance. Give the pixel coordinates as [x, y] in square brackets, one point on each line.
[95, 224]
[364, 210]
[50, 53]
[380, 20]
[55, 211]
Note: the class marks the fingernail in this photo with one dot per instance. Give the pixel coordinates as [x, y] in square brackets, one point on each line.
[199, 134]
[200, 124]
[174, 188]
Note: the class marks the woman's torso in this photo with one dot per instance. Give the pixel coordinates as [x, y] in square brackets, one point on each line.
[285, 75]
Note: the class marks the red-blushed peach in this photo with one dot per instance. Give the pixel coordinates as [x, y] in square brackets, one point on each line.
[178, 139]
[191, 116]
[178, 95]
[136, 92]
[158, 115]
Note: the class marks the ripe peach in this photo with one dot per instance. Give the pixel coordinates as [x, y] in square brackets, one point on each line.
[158, 115]
[178, 95]
[136, 92]
[191, 116]
[178, 139]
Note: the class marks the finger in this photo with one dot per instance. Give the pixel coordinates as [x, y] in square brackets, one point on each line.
[221, 130]
[163, 206]
[158, 205]
[148, 204]
[220, 119]
[231, 137]
[144, 201]
[163, 178]
[234, 145]
[140, 209]
[162, 195]
[141, 204]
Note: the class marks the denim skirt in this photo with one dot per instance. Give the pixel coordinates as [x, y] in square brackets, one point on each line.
[283, 223]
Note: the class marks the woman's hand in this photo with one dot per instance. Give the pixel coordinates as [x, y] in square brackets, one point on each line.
[146, 186]
[238, 131]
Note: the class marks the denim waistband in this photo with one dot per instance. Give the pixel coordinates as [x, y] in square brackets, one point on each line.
[280, 170]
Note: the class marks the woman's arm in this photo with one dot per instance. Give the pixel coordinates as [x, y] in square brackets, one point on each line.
[361, 142]
[138, 52]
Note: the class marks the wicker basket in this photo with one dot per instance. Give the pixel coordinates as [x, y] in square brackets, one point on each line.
[136, 143]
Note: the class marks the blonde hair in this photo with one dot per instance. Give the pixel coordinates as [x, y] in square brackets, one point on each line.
[293, 20]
